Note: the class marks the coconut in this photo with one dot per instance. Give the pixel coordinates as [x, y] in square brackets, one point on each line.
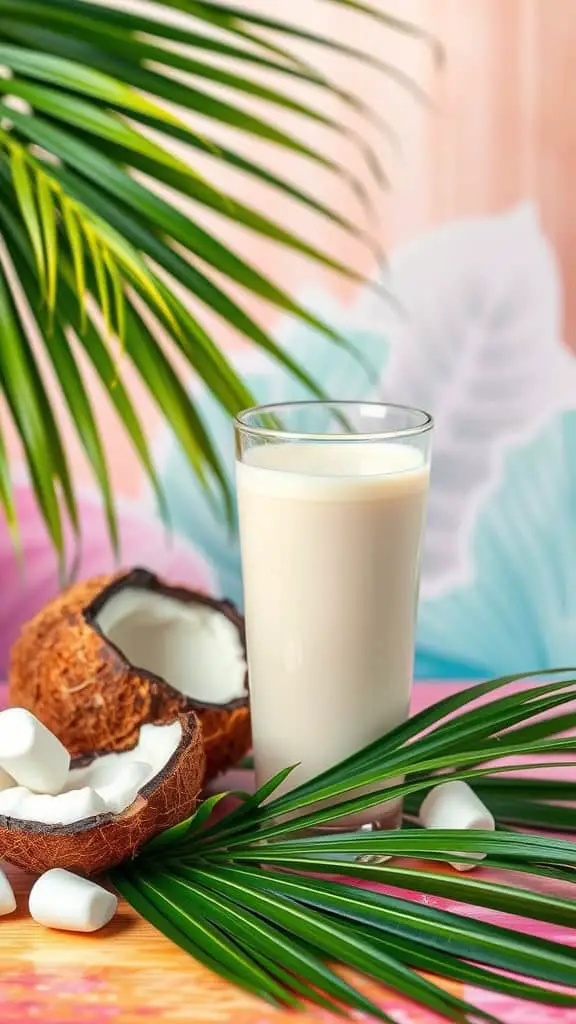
[113, 653]
[167, 794]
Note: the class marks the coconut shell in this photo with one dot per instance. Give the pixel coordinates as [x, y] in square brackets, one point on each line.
[98, 844]
[81, 686]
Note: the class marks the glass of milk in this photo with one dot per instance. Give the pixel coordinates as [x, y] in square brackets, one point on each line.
[331, 500]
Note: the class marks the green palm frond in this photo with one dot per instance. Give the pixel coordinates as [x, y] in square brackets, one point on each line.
[257, 893]
[43, 204]
[98, 214]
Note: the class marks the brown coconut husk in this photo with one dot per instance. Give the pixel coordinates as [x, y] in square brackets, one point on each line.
[102, 842]
[65, 671]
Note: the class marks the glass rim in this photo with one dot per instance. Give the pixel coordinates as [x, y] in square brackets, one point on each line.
[426, 424]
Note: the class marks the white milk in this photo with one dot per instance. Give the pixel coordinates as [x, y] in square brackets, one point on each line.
[330, 535]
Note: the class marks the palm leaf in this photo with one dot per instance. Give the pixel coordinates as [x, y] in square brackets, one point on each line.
[70, 315]
[495, 896]
[450, 932]
[154, 368]
[86, 19]
[329, 937]
[113, 31]
[546, 804]
[181, 131]
[235, 19]
[154, 210]
[75, 395]
[226, 872]
[28, 207]
[123, 45]
[99, 267]
[22, 400]
[431, 960]
[163, 382]
[132, 892]
[96, 80]
[47, 210]
[115, 138]
[268, 940]
[74, 233]
[79, 78]
[209, 937]
[202, 287]
[7, 499]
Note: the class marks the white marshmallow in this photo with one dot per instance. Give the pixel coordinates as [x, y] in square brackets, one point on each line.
[97, 774]
[31, 754]
[7, 897]
[62, 900]
[453, 805]
[119, 794]
[6, 781]
[63, 809]
[11, 799]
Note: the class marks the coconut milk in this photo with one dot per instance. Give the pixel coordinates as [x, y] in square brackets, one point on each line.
[330, 535]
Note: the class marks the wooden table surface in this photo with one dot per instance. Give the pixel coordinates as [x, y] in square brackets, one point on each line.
[128, 974]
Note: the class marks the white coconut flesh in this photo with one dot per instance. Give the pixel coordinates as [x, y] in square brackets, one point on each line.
[110, 784]
[194, 647]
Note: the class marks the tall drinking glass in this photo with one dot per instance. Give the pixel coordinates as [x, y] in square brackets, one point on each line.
[331, 500]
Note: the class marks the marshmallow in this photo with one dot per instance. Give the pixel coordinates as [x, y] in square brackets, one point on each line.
[119, 794]
[20, 803]
[62, 900]
[7, 897]
[31, 754]
[98, 773]
[11, 799]
[453, 805]
[63, 809]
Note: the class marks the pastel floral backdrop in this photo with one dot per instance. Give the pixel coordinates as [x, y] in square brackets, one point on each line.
[478, 230]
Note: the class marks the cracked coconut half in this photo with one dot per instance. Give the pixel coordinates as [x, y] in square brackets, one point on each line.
[112, 654]
[110, 805]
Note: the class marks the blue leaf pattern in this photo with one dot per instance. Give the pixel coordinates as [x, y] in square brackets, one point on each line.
[519, 610]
